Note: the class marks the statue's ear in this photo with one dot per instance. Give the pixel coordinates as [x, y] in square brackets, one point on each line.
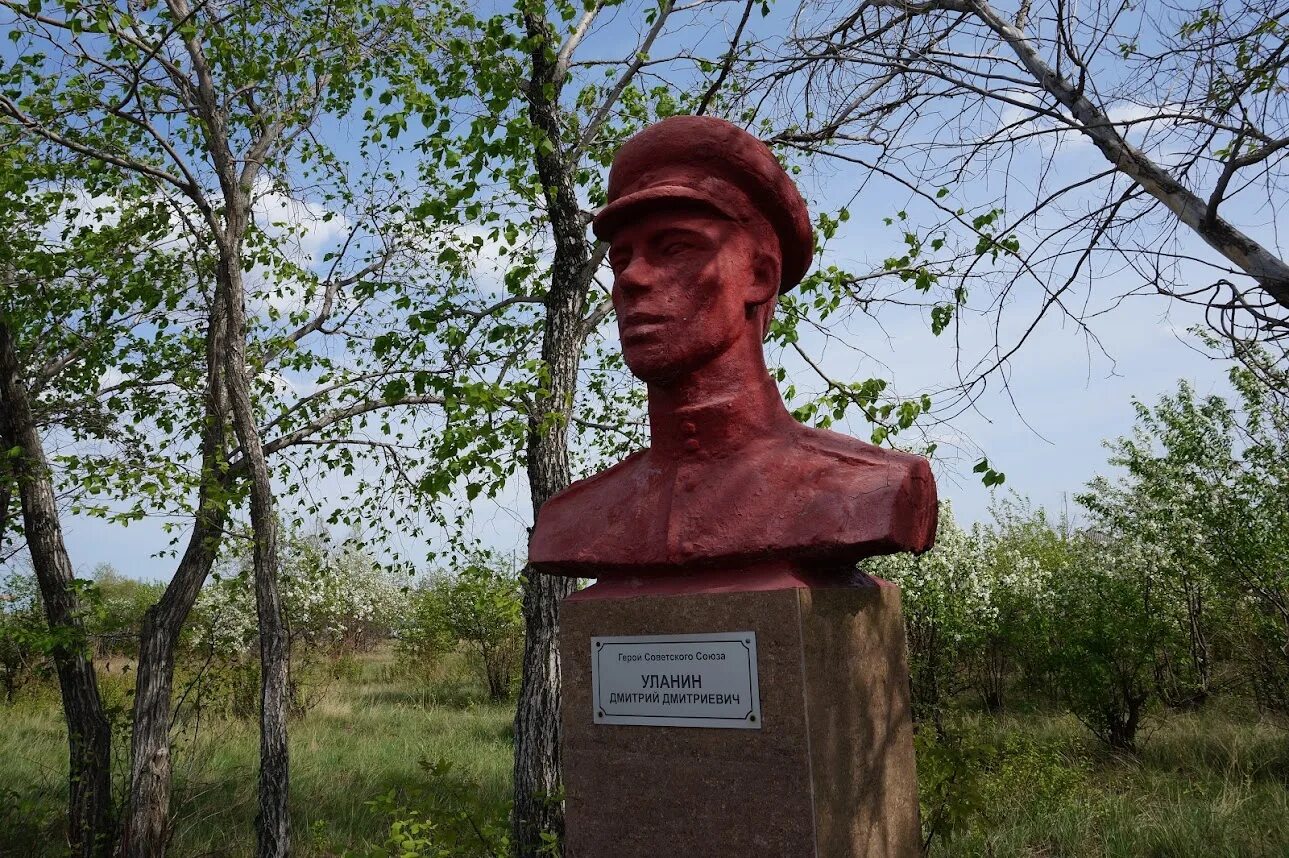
[766, 272]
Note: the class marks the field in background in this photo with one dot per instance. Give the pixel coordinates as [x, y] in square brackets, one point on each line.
[381, 745]
[366, 737]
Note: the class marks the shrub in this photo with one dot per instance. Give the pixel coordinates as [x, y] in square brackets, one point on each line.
[1107, 627]
[480, 607]
[115, 616]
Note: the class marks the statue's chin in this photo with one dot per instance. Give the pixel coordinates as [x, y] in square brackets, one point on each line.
[656, 372]
[659, 365]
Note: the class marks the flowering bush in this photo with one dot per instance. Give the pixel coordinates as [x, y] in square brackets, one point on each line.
[337, 598]
[943, 596]
[337, 601]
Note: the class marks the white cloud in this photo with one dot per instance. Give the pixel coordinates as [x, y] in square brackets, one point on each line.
[489, 261]
[307, 231]
[281, 385]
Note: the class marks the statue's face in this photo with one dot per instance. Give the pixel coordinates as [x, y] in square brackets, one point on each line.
[683, 283]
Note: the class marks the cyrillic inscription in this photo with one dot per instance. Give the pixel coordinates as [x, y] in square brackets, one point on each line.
[697, 680]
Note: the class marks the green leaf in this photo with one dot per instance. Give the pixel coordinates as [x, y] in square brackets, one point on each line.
[395, 390]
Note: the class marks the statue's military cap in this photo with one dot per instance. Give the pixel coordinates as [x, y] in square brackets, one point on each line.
[710, 162]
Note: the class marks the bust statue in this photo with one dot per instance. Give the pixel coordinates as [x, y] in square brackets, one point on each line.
[705, 229]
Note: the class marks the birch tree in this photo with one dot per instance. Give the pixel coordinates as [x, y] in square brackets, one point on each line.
[1083, 153]
[209, 111]
[84, 274]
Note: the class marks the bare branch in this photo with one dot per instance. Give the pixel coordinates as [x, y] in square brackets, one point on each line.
[601, 114]
[575, 38]
[1265, 267]
[1234, 164]
[728, 62]
[331, 418]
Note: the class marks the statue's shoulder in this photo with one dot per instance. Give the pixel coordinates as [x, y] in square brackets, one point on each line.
[593, 517]
[611, 480]
[839, 450]
[852, 492]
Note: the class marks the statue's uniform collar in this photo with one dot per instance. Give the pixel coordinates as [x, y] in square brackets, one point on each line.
[716, 428]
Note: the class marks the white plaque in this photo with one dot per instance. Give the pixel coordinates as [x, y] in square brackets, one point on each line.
[704, 680]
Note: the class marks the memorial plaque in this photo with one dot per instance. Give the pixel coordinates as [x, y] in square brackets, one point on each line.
[693, 680]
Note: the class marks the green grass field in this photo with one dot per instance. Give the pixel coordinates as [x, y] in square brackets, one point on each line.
[1214, 783]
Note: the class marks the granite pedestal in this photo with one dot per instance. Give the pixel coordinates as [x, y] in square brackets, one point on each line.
[830, 771]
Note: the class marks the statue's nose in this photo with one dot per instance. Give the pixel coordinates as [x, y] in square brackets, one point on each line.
[636, 277]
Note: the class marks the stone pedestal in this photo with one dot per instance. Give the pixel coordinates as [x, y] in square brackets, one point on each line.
[830, 772]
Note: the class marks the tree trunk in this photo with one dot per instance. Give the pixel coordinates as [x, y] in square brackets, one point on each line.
[147, 824]
[1200, 662]
[6, 497]
[89, 735]
[537, 808]
[272, 822]
[237, 177]
[1124, 725]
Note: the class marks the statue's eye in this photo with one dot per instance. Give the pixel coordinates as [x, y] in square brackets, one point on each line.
[677, 246]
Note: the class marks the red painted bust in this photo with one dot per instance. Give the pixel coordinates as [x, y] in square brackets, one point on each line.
[705, 228]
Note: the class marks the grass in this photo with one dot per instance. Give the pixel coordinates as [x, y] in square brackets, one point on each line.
[1213, 783]
[366, 737]
[1207, 784]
